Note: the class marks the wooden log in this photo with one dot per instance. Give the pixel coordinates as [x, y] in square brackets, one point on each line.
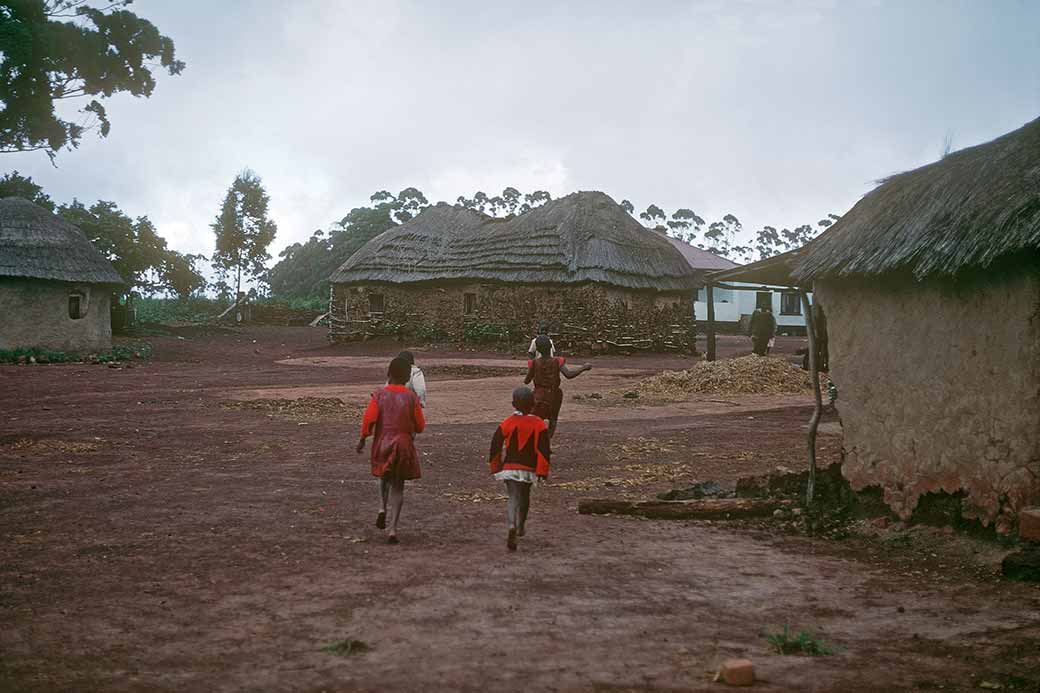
[702, 509]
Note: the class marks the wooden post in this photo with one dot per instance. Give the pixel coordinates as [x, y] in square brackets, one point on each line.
[814, 422]
[711, 322]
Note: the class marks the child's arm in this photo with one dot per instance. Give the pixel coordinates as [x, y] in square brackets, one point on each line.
[571, 373]
[530, 373]
[495, 456]
[542, 450]
[368, 423]
[420, 419]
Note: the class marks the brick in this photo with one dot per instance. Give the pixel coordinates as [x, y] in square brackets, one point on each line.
[737, 672]
[1029, 524]
[579, 317]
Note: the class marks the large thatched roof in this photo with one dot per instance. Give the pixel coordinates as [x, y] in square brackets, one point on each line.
[584, 237]
[964, 212]
[37, 244]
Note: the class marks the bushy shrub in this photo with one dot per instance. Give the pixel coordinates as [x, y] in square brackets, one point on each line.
[483, 333]
[431, 333]
[163, 310]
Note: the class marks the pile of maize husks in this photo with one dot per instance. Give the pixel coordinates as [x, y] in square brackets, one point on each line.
[744, 375]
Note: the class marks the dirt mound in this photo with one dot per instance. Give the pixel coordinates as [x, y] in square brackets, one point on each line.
[745, 375]
[301, 410]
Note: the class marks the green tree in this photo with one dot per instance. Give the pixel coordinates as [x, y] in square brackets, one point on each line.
[55, 50]
[628, 207]
[535, 199]
[303, 269]
[685, 224]
[180, 274]
[14, 184]
[133, 246]
[243, 231]
[653, 216]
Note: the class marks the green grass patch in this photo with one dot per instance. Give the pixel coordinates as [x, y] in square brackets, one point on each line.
[163, 310]
[39, 355]
[800, 643]
[346, 648]
[119, 352]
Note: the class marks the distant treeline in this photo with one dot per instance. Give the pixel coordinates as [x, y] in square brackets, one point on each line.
[304, 268]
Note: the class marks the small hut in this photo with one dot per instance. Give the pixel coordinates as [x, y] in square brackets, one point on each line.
[931, 287]
[581, 264]
[55, 287]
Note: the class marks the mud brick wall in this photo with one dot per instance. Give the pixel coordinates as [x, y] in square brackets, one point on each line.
[35, 313]
[939, 391]
[582, 318]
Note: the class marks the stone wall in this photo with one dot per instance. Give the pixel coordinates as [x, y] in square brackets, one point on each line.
[35, 313]
[588, 317]
[939, 391]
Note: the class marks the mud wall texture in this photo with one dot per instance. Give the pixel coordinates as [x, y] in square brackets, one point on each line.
[35, 313]
[584, 317]
[939, 391]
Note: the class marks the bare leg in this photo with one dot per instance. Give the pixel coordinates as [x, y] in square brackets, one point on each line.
[384, 491]
[396, 499]
[512, 510]
[524, 506]
[552, 427]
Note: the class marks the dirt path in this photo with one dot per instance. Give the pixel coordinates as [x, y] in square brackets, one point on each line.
[152, 539]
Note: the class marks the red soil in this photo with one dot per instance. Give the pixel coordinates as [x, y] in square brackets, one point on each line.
[152, 539]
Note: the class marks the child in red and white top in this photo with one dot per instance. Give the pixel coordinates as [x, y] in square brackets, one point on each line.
[519, 455]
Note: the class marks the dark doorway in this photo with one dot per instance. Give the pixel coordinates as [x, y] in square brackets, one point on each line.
[764, 299]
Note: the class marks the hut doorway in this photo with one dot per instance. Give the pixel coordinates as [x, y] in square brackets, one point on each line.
[764, 300]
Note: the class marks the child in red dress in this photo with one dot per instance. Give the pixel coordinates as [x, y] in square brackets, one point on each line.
[393, 417]
[545, 372]
[526, 442]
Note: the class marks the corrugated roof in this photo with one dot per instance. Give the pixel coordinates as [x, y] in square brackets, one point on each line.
[700, 259]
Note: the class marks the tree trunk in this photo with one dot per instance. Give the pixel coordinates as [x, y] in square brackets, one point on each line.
[711, 322]
[814, 422]
[703, 509]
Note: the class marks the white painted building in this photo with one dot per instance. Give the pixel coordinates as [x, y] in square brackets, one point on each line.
[733, 309]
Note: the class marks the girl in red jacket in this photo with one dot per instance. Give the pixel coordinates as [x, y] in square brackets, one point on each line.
[393, 416]
[525, 439]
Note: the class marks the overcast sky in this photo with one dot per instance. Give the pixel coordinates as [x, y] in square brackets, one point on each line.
[778, 112]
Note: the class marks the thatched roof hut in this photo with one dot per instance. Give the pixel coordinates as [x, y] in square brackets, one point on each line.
[931, 286]
[38, 244]
[968, 211]
[580, 264]
[54, 285]
[580, 238]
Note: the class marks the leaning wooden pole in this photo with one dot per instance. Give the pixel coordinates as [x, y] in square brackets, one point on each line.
[711, 322]
[814, 422]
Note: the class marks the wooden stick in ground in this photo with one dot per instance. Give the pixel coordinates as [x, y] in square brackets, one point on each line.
[711, 322]
[703, 509]
[814, 422]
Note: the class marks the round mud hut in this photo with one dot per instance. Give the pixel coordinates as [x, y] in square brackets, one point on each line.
[580, 264]
[931, 287]
[55, 287]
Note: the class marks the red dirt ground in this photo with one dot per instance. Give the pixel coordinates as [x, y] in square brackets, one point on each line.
[153, 539]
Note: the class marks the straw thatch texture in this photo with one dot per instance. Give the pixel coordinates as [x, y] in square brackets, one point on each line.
[964, 212]
[584, 237]
[37, 244]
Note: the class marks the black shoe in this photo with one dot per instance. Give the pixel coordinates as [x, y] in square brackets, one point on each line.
[511, 540]
[381, 519]
[392, 539]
